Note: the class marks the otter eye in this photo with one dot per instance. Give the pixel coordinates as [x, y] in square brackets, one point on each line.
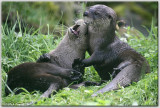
[109, 16]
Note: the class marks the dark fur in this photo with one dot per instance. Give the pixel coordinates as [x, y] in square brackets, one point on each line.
[109, 55]
[39, 76]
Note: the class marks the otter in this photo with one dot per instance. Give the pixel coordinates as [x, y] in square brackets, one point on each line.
[58, 74]
[110, 56]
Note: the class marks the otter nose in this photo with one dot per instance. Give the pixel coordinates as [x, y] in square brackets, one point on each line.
[85, 13]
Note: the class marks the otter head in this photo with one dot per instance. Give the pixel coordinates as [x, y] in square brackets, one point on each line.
[78, 34]
[100, 16]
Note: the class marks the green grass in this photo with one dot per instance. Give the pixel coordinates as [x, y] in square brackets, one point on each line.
[27, 47]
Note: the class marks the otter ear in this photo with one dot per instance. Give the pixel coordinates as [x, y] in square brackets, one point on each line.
[121, 23]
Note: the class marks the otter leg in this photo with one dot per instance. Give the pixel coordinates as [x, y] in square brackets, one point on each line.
[95, 58]
[53, 87]
[131, 73]
[120, 67]
[59, 71]
[69, 74]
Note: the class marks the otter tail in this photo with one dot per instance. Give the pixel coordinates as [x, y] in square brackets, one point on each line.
[131, 73]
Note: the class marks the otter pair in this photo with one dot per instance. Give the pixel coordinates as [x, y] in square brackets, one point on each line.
[58, 72]
[110, 56]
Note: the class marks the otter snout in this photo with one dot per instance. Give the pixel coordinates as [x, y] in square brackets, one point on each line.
[78, 30]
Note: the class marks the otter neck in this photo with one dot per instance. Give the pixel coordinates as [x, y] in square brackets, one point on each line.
[66, 52]
[99, 39]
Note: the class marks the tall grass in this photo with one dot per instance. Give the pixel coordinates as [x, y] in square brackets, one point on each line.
[20, 47]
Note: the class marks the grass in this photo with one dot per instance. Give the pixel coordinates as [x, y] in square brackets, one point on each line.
[18, 48]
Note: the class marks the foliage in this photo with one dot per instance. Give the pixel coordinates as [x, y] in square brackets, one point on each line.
[27, 47]
[33, 14]
[136, 8]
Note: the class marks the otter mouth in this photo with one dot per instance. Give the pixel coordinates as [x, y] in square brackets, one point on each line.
[75, 30]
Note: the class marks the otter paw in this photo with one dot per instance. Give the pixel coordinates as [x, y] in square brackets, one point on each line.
[44, 58]
[75, 76]
[77, 64]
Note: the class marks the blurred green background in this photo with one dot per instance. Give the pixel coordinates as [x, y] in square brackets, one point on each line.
[41, 14]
